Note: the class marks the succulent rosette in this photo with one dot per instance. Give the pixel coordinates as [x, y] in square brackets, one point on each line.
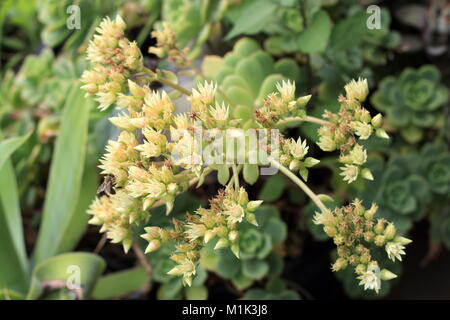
[256, 258]
[435, 167]
[413, 101]
[399, 190]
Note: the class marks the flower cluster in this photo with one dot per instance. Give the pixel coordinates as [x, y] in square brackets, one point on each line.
[227, 210]
[117, 214]
[351, 123]
[114, 59]
[281, 104]
[355, 230]
[157, 155]
[293, 156]
[166, 46]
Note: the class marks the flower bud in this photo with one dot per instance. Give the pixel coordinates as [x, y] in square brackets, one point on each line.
[382, 133]
[235, 249]
[233, 236]
[380, 240]
[369, 214]
[153, 246]
[377, 120]
[357, 90]
[294, 165]
[172, 188]
[386, 275]
[340, 264]
[338, 240]
[303, 101]
[330, 231]
[253, 205]
[222, 243]
[366, 174]
[390, 231]
[208, 236]
[311, 162]
[379, 227]
[251, 218]
[369, 236]
[360, 269]
[402, 240]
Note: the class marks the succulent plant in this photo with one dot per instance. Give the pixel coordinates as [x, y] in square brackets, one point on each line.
[435, 166]
[247, 75]
[257, 259]
[413, 101]
[399, 190]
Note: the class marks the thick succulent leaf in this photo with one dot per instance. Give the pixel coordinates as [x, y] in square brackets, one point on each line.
[244, 113]
[430, 73]
[419, 188]
[251, 173]
[266, 212]
[423, 119]
[220, 76]
[265, 248]
[223, 174]
[120, 283]
[228, 265]
[277, 230]
[196, 293]
[381, 98]
[77, 225]
[234, 80]
[171, 290]
[399, 116]
[240, 96]
[211, 65]
[242, 282]
[245, 47]
[439, 97]
[65, 175]
[255, 269]
[268, 86]
[68, 267]
[412, 134]
[288, 68]
[9, 145]
[250, 70]
[251, 17]
[315, 38]
[349, 32]
[231, 59]
[265, 60]
[14, 266]
[272, 189]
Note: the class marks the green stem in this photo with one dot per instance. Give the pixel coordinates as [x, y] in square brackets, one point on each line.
[302, 119]
[300, 183]
[156, 77]
[173, 85]
[236, 176]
